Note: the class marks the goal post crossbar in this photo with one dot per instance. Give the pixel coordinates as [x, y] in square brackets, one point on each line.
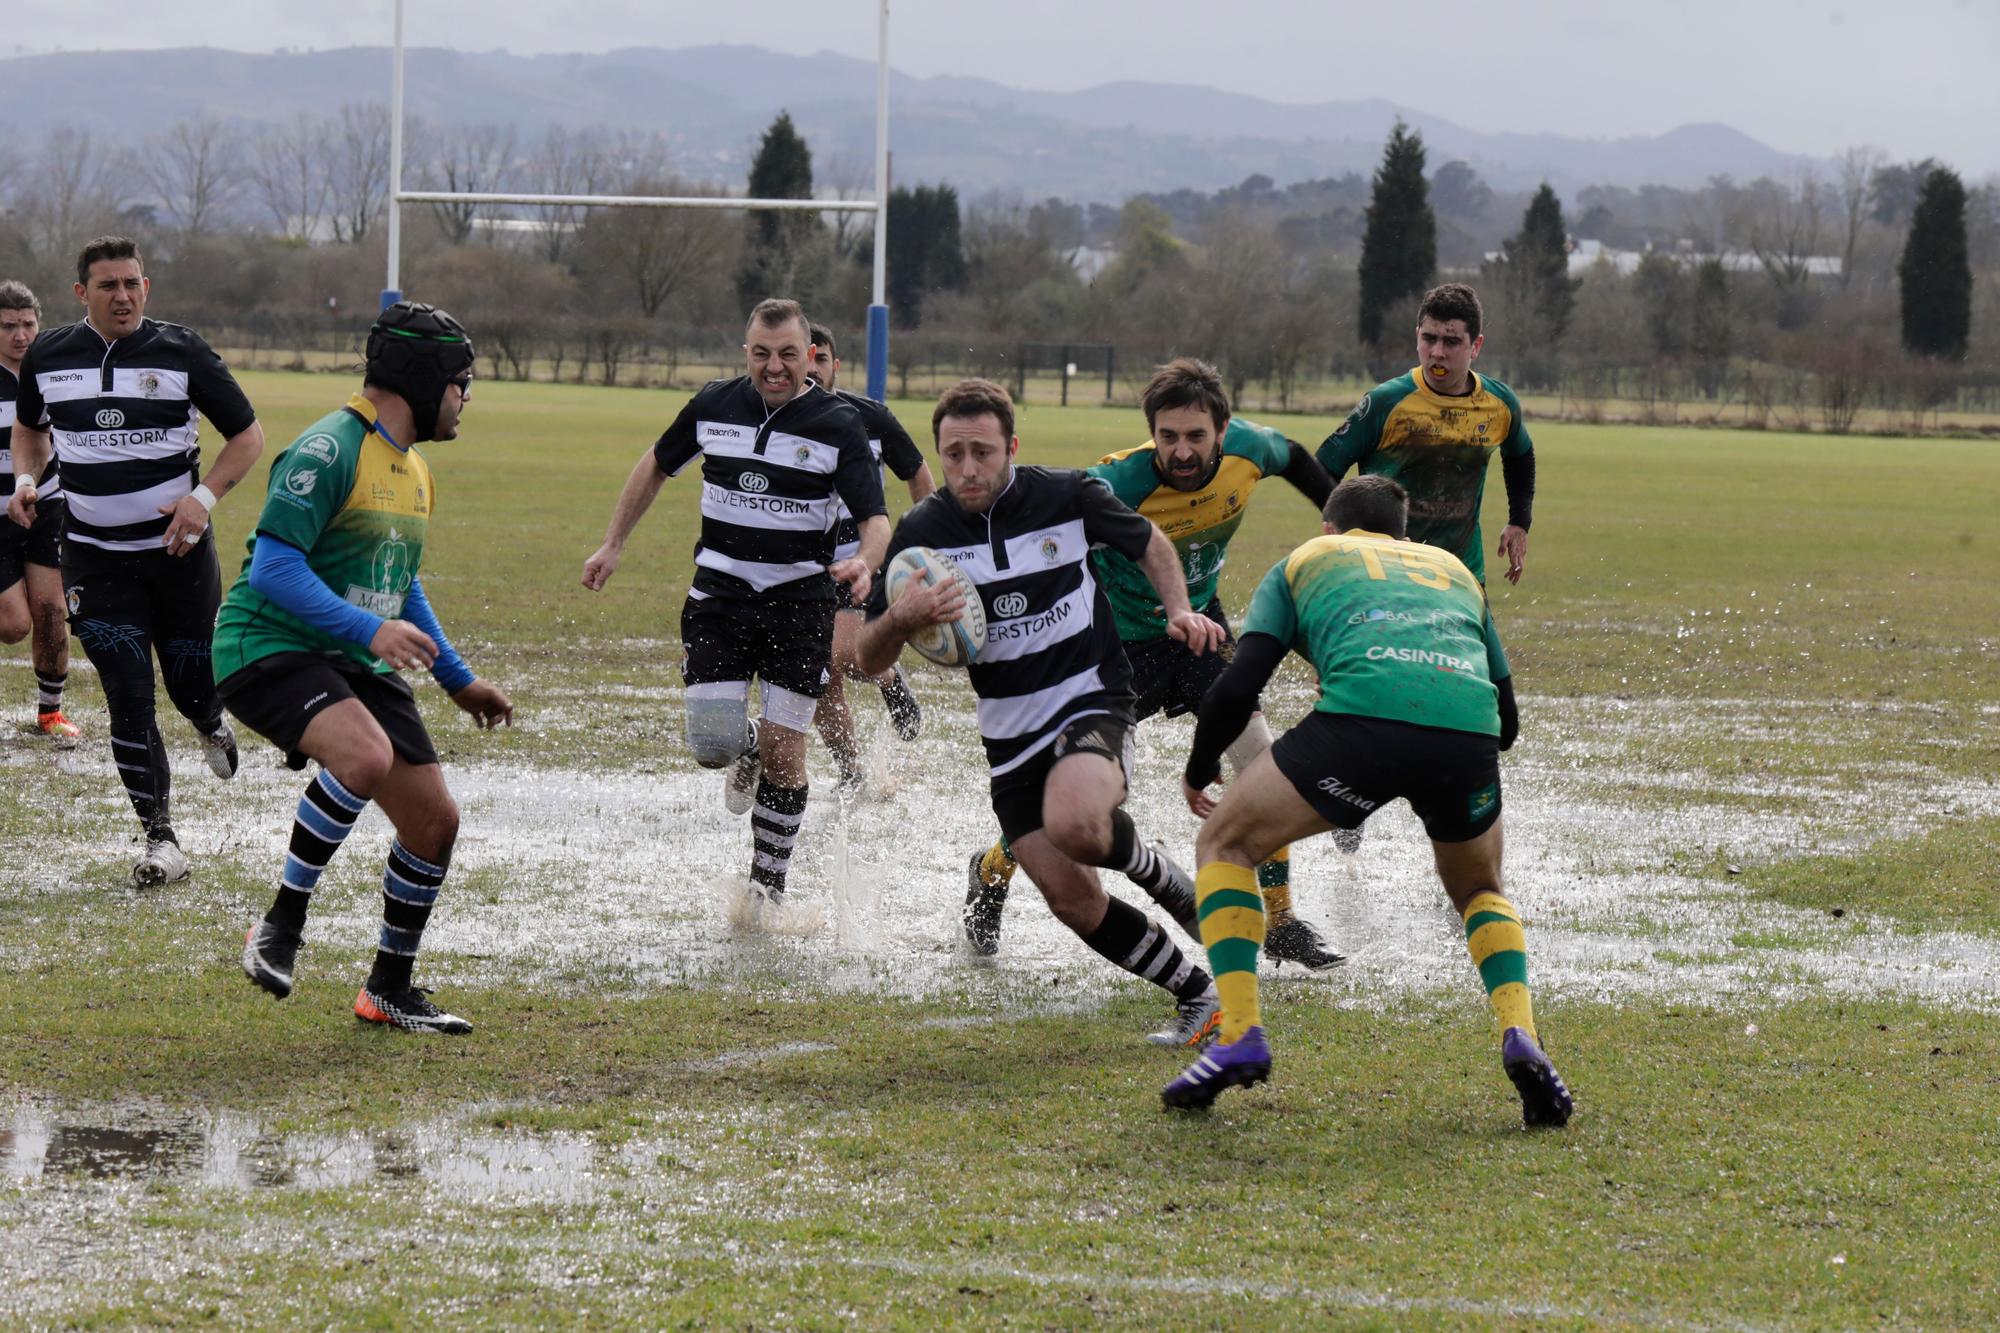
[638, 201]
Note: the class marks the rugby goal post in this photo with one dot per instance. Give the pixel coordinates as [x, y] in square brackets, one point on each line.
[878, 309]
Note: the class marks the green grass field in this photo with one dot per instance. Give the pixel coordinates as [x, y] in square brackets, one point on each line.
[1752, 830]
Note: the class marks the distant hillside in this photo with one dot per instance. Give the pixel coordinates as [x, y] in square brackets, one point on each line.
[1099, 144]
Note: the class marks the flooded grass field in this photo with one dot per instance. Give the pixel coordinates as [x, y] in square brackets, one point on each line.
[1750, 825]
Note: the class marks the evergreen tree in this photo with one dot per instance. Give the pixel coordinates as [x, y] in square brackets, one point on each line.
[926, 251]
[779, 245]
[1662, 285]
[1710, 337]
[1534, 274]
[1936, 271]
[1399, 247]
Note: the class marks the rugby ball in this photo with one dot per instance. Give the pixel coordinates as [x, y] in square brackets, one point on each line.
[957, 642]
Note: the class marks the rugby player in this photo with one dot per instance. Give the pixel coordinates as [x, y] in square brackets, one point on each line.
[327, 609]
[777, 453]
[1416, 701]
[1055, 690]
[1194, 478]
[115, 397]
[1433, 430]
[31, 592]
[892, 447]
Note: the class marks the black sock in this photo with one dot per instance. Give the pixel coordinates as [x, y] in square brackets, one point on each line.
[774, 830]
[141, 757]
[1136, 943]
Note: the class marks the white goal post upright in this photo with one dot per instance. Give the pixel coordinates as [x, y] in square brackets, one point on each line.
[878, 311]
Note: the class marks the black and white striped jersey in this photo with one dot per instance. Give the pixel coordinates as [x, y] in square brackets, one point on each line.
[1052, 651]
[769, 484]
[891, 445]
[47, 486]
[122, 415]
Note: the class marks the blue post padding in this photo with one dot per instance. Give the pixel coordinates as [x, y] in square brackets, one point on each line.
[878, 352]
[390, 296]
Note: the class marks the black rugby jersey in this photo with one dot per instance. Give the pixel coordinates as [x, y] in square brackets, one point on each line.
[1052, 651]
[122, 417]
[769, 484]
[47, 486]
[889, 443]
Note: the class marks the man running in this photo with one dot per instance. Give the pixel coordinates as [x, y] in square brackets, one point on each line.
[1194, 478]
[1055, 690]
[777, 452]
[1416, 702]
[115, 397]
[327, 609]
[892, 447]
[31, 592]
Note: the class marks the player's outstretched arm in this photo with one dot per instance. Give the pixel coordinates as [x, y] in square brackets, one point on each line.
[1225, 711]
[636, 497]
[486, 702]
[1163, 567]
[1304, 472]
[1518, 472]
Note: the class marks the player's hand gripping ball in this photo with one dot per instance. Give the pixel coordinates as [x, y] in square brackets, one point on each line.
[954, 643]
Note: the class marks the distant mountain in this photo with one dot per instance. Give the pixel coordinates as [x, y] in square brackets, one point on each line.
[1099, 144]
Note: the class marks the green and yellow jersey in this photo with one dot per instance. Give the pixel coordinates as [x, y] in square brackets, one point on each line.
[358, 507]
[1436, 447]
[1199, 523]
[1396, 630]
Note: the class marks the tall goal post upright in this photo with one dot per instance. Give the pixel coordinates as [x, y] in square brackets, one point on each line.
[878, 310]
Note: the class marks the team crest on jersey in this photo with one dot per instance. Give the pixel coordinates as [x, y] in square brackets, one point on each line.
[803, 455]
[74, 597]
[149, 384]
[301, 483]
[319, 448]
[1051, 548]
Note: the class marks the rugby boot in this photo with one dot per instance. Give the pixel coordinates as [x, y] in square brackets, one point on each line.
[984, 901]
[1238, 1064]
[269, 955]
[1175, 895]
[1290, 940]
[219, 748]
[905, 713]
[163, 863]
[1545, 1101]
[1195, 1021]
[58, 729]
[408, 1008]
[740, 793]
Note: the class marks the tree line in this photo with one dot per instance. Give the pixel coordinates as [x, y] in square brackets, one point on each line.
[1802, 296]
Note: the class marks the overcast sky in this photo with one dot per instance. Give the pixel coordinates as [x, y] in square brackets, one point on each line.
[1914, 77]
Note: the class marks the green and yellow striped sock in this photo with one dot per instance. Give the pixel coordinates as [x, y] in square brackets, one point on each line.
[1274, 877]
[1232, 930]
[1500, 950]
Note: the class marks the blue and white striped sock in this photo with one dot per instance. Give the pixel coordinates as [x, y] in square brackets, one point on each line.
[325, 817]
[410, 887]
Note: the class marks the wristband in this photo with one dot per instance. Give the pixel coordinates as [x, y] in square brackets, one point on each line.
[204, 496]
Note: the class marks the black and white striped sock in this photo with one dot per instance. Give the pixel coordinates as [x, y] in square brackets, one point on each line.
[1136, 943]
[774, 830]
[49, 686]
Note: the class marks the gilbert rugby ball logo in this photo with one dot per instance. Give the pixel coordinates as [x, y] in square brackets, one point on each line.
[754, 482]
[110, 418]
[1013, 604]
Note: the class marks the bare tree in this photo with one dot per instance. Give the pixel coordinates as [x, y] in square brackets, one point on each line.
[470, 159]
[1858, 166]
[1785, 234]
[361, 168]
[848, 179]
[290, 166]
[72, 186]
[568, 162]
[196, 168]
[660, 251]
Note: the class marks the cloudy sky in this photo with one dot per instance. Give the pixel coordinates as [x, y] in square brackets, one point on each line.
[1914, 77]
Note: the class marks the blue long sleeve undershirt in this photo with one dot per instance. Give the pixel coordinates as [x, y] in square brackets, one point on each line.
[278, 570]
